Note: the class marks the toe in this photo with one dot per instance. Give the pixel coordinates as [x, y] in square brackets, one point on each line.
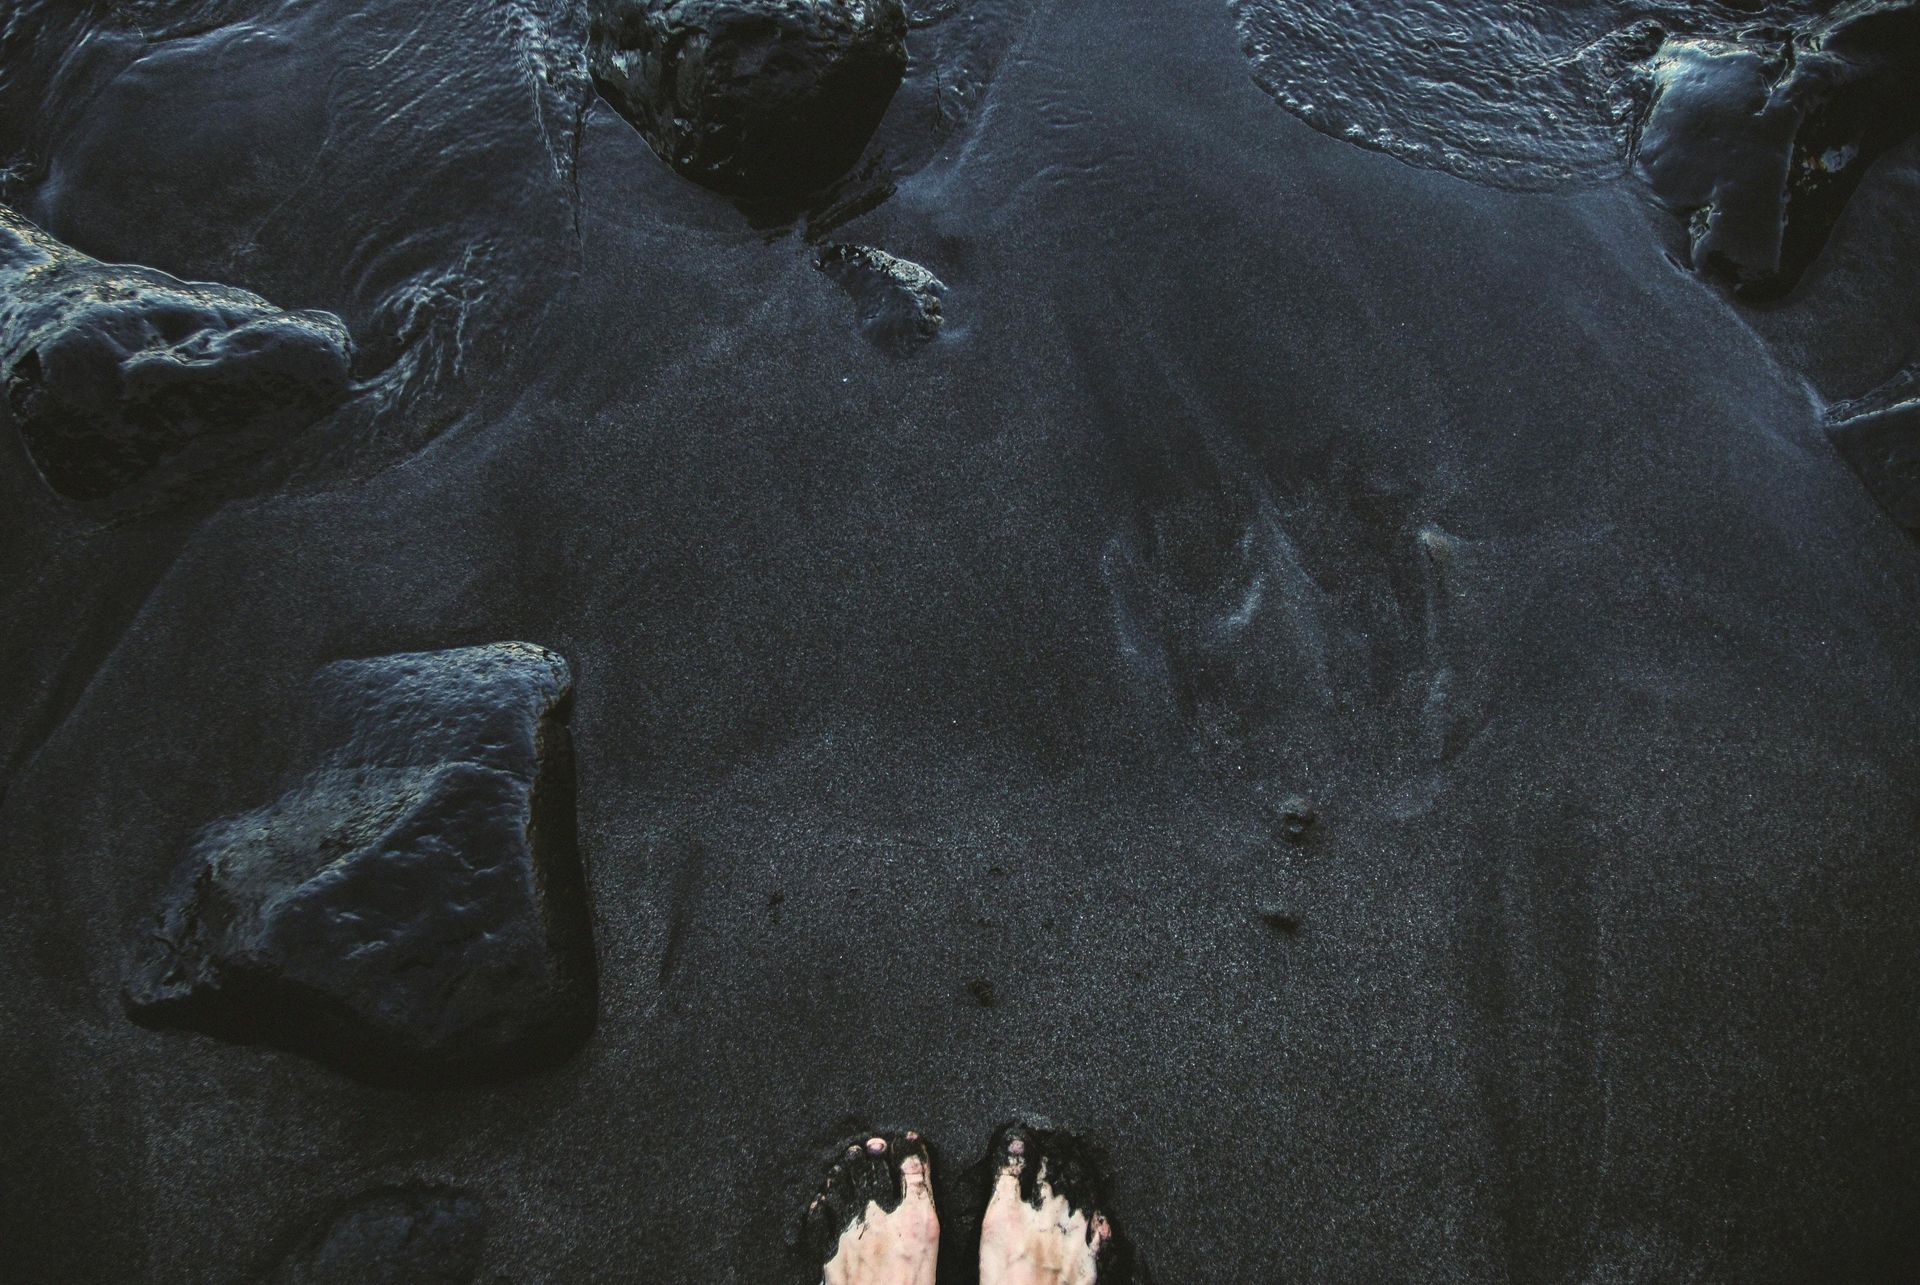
[1057, 1212]
[831, 1210]
[1010, 1161]
[817, 1227]
[1013, 1163]
[872, 1179]
[916, 1178]
[913, 1165]
[834, 1204]
[1013, 1156]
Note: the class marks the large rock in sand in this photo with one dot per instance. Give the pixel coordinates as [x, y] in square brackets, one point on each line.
[413, 909]
[118, 375]
[1759, 141]
[764, 100]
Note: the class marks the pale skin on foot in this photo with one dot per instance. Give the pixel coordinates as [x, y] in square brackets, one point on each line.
[1020, 1243]
[1048, 1244]
[897, 1247]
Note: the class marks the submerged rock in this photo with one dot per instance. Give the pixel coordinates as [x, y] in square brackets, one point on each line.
[1758, 141]
[116, 375]
[400, 1236]
[413, 909]
[898, 301]
[764, 100]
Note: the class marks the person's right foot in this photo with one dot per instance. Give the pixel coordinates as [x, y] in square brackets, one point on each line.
[1045, 1223]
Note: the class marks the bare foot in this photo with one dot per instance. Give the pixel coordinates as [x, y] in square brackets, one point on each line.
[1046, 1223]
[873, 1221]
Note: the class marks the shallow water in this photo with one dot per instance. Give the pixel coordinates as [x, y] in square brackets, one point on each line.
[410, 167]
[1523, 95]
[954, 50]
[279, 146]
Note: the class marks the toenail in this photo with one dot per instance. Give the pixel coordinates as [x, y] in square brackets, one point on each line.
[912, 1136]
[1017, 1147]
[852, 1152]
[878, 1146]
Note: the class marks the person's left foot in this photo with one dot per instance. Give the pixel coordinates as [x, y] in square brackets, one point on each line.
[873, 1222]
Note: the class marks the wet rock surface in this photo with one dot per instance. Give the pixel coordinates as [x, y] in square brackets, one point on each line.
[274, 145]
[412, 910]
[1757, 142]
[897, 302]
[116, 376]
[398, 1236]
[765, 100]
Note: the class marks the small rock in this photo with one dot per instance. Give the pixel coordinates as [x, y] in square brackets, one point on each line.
[897, 301]
[763, 100]
[117, 375]
[982, 992]
[413, 909]
[402, 1236]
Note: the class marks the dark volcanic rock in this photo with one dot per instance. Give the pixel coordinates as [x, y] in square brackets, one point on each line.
[764, 100]
[118, 375]
[401, 1236]
[1758, 141]
[1716, 149]
[413, 909]
[898, 300]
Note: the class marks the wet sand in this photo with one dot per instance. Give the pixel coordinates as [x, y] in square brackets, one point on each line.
[1247, 464]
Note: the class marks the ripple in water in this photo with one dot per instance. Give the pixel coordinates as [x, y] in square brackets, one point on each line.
[954, 51]
[407, 166]
[1527, 95]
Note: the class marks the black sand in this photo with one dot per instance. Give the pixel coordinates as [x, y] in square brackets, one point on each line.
[1247, 464]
